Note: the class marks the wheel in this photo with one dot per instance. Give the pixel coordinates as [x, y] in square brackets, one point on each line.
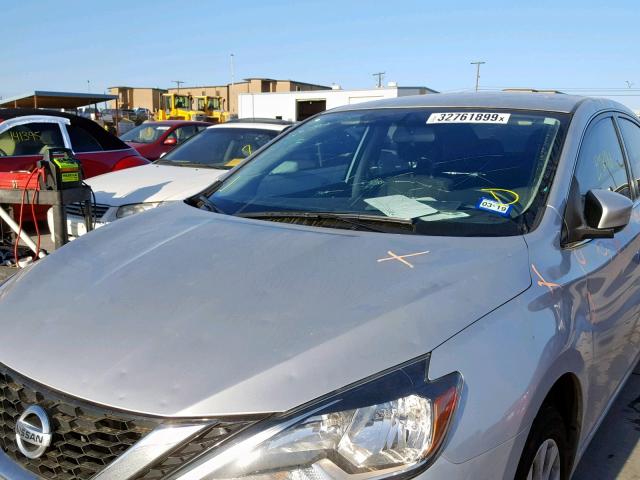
[545, 455]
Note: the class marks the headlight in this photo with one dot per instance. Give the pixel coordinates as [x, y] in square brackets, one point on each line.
[391, 425]
[128, 210]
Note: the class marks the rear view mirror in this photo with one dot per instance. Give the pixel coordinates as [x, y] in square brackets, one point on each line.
[170, 141]
[602, 213]
[604, 209]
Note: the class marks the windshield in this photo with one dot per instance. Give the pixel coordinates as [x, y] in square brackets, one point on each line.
[145, 133]
[447, 172]
[208, 103]
[219, 147]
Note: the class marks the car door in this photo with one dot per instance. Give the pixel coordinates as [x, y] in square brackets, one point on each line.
[611, 267]
[23, 140]
[88, 150]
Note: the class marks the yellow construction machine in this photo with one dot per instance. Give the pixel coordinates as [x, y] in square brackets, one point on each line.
[212, 108]
[176, 106]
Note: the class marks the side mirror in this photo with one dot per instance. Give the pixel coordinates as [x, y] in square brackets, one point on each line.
[603, 213]
[170, 141]
[604, 209]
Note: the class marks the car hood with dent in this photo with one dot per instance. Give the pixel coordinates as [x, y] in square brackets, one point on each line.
[183, 312]
[151, 183]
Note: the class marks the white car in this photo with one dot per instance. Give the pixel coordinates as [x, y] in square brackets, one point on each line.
[182, 173]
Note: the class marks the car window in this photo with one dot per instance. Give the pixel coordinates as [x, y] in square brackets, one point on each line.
[30, 139]
[631, 136]
[183, 133]
[600, 161]
[145, 133]
[220, 147]
[82, 141]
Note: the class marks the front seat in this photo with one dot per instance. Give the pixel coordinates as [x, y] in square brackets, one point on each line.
[7, 145]
[50, 139]
[418, 150]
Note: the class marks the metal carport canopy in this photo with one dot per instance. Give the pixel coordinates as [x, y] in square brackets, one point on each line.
[44, 99]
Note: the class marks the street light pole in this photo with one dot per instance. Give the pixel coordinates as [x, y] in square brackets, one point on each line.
[477, 64]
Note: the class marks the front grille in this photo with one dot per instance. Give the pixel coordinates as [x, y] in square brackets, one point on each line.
[86, 438]
[98, 209]
[191, 450]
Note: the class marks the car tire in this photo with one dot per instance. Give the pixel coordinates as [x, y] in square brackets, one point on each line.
[548, 436]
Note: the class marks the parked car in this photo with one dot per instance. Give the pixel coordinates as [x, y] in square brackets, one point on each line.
[152, 139]
[143, 114]
[26, 133]
[437, 287]
[183, 172]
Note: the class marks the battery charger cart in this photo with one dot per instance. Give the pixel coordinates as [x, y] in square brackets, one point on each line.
[60, 184]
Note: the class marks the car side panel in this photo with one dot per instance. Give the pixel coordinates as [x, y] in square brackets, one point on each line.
[510, 359]
[97, 163]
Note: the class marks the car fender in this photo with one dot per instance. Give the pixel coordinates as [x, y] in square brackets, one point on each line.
[510, 360]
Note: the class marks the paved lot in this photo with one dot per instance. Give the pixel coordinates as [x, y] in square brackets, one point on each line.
[614, 453]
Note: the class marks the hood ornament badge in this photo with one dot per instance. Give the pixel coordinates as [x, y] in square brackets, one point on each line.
[33, 432]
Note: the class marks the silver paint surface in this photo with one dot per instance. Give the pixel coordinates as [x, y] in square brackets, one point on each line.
[181, 312]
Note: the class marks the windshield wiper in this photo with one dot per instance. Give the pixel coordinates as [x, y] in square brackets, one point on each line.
[183, 163]
[348, 218]
[205, 202]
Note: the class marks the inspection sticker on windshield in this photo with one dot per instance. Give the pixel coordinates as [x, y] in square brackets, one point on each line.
[494, 206]
[468, 117]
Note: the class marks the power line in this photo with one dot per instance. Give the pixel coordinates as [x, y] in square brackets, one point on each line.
[574, 89]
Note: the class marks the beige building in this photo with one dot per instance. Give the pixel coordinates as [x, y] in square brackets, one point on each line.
[137, 97]
[230, 92]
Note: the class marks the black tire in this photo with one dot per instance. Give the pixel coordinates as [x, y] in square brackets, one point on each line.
[548, 424]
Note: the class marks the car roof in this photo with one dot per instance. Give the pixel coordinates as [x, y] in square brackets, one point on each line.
[272, 121]
[174, 122]
[254, 126]
[553, 102]
[7, 113]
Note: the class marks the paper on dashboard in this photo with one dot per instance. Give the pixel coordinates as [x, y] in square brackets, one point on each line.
[400, 206]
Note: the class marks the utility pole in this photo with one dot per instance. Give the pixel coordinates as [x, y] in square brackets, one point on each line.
[178, 83]
[379, 75]
[477, 64]
[231, 58]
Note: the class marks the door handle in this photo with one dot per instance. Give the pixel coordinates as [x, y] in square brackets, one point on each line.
[636, 257]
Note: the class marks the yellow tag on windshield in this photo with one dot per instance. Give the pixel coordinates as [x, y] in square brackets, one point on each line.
[234, 162]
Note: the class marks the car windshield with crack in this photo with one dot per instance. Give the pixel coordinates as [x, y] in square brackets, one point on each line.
[463, 172]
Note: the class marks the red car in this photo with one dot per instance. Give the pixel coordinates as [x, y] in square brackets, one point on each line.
[25, 133]
[152, 139]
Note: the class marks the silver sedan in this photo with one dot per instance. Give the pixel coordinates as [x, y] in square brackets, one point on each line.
[437, 287]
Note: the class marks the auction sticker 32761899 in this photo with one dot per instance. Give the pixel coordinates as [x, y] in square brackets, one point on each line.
[469, 117]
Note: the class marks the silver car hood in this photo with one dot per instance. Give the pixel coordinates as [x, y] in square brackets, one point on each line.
[182, 312]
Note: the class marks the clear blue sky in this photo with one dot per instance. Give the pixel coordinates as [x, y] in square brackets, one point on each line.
[571, 45]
